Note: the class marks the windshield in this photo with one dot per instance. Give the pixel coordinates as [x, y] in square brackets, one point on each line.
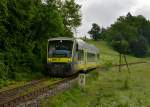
[60, 48]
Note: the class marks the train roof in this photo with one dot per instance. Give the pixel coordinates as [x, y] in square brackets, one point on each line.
[84, 45]
[61, 38]
[81, 44]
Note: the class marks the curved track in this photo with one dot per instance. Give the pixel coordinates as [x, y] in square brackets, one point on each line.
[16, 90]
[13, 97]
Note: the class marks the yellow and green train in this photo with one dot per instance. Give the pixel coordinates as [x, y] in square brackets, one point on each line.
[66, 56]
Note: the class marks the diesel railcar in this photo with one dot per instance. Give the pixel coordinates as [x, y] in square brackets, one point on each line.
[66, 56]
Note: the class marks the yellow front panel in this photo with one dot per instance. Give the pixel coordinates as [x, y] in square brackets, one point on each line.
[59, 60]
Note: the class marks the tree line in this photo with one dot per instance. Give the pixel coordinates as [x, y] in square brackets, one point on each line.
[128, 35]
[25, 27]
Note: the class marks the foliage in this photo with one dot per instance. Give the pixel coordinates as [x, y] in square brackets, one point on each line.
[130, 35]
[95, 32]
[3, 71]
[25, 26]
[139, 47]
[71, 15]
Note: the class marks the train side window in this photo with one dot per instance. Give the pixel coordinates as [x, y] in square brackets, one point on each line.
[91, 57]
[80, 55]
[98, 56]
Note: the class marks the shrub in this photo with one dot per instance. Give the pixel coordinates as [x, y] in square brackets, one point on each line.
[3, 71]
[139, 47]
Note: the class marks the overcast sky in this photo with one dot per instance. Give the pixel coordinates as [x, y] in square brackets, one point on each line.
[105, 12]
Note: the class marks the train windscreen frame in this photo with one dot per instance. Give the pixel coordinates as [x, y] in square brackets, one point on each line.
[60, 48]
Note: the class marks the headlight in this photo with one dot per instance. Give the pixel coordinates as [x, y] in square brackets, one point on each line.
[49, 60]
[69, 60]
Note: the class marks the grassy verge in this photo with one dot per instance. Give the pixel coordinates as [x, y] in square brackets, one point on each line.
[108, 89]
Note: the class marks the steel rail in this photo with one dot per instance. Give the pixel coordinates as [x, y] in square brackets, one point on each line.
[23, 96]
[5, 92]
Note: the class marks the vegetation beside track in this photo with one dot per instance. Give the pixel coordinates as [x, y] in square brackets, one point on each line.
[108, 87]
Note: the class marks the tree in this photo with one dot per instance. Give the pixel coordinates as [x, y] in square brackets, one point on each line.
[71, 16]
[48, 22]
[95, 32]
[134, 31]
[103, 33]
[3, 30]
[140, 47]
[25, 26]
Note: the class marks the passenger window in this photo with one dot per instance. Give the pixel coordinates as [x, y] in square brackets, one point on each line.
[91, 57]
[80, 55]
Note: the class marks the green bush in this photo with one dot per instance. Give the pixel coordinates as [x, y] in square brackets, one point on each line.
[140, 47]
[3, 71]
[121, 46]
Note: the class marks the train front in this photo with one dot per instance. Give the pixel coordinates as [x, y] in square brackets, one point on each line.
[59, 57]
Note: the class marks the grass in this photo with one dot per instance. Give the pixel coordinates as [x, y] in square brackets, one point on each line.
[108, 87]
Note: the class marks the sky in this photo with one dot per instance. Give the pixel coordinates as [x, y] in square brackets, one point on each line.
[106, 12]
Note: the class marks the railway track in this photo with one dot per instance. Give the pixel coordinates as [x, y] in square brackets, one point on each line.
[14, 91]
[11, 94]
[28, 94]
[19, 95]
